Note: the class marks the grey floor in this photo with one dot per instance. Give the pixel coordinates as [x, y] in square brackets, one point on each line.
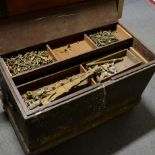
[130, 134]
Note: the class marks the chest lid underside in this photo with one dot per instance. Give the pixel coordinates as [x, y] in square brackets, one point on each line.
[31, 29]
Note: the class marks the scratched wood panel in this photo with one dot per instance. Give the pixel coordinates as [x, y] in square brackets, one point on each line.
[15, 7]
[57, 23]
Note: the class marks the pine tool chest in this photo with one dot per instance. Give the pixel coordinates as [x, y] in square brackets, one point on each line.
[68, 69]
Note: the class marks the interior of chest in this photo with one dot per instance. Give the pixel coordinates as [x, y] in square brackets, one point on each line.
[51, 71]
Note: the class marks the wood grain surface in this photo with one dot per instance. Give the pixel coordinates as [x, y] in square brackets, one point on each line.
[60, 22]
[20, 6]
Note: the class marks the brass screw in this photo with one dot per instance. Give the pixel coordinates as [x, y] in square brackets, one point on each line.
[28, 61]
[103, 38]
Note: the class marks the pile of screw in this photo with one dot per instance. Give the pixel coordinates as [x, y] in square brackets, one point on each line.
[103, 38]
[28, 61]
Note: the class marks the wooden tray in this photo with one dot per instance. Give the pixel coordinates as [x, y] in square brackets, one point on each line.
[79, 50]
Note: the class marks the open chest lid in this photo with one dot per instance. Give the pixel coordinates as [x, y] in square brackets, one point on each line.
[28, 30]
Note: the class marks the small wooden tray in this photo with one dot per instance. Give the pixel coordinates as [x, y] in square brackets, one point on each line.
[130, 60]
[81, 48]
[38, 83]
[117, 32]
[46, 48]
[70, 49]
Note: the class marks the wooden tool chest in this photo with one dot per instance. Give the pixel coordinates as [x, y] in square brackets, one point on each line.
[79, 81]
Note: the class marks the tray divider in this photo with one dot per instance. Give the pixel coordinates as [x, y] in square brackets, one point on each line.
[121, 30]
[133, 57]
[83, 70]
[51, 53]
[138, 55]
[89, 41]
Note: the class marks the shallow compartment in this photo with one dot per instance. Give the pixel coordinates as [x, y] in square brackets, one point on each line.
[23, 61]
[108, 35]
[72, 46]
[55, 86]
[115, 63]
